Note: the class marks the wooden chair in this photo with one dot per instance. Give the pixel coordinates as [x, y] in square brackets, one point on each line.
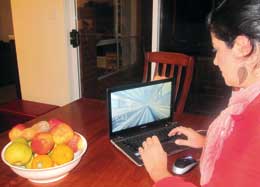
[168, 65]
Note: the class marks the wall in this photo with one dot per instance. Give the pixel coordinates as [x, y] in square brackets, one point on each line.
[42, 50]
[6, 25]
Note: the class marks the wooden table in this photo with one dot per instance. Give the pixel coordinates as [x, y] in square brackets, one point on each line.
[102, 164]
[20, 111]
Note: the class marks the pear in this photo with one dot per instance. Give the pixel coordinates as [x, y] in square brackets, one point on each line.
[18, 154]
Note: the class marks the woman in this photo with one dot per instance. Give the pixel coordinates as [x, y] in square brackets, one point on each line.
[232, 146]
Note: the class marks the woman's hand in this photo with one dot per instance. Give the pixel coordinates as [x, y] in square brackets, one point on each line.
[154, 158]
[194, 139]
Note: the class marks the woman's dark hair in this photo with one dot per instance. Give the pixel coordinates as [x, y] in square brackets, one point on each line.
[236, 17]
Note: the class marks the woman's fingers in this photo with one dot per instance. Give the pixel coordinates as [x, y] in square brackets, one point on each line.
[154, 158]
[140, 150]
[179, 130]
[150, 141]
[182, 142]
[155, 139]
[194, 139]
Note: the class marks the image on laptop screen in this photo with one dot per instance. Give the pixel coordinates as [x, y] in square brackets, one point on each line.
[137, 106]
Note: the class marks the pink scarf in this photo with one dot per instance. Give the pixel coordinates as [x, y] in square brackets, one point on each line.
[220, 129]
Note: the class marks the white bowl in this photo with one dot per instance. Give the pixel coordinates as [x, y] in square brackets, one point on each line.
[49, 174]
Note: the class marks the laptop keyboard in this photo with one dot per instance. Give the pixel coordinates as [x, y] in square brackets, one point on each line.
[136, 141]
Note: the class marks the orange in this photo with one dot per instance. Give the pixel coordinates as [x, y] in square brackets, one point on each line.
[62, 154]
[41, 161]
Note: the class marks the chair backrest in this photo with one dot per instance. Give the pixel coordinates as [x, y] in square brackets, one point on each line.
[168, 65]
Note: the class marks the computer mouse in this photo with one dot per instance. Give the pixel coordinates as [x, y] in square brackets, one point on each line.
[183, 165]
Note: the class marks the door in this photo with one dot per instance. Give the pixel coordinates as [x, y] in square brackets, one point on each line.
[9, 78]
[114, 34]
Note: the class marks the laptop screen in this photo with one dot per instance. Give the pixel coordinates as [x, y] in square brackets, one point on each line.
[136, 105]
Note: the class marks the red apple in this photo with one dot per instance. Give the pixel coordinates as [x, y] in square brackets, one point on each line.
[75, 143]
[42, 143]
[62, 133]
[16, 131]
[54, 122]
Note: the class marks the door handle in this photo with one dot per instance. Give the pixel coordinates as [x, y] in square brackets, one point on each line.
[74, 38]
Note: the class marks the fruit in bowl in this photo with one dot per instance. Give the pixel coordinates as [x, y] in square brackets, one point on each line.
[41, 159]
[16, 131]
[18, 153]
[75, 143]
[62, 133]
[42, 143]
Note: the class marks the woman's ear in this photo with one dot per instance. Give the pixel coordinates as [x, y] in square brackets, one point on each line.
[242, 46]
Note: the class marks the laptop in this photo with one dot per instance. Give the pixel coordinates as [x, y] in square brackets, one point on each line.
[138, 111]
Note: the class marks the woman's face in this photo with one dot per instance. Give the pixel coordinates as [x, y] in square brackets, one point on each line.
[226, 61]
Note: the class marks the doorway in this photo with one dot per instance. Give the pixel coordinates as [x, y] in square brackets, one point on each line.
[114, 35]
[9, 78]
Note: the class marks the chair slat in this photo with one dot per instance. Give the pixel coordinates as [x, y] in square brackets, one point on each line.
[178, 80]
[172, 70]
[163, 74]
[172, 60]
[156, 73]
